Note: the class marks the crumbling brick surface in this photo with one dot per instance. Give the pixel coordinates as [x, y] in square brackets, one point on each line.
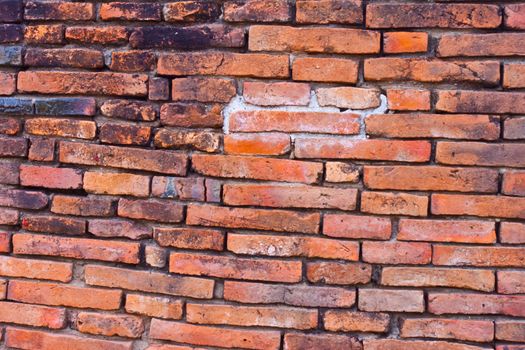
[262, 174]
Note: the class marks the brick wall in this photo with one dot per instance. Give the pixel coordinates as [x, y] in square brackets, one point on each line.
[268, 174]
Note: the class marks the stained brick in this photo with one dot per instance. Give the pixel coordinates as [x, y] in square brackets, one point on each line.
[393, 300]
[476, 304]
[351, 321]
[337, 273]
[489, 44]
[32, 315]
[66, 11]
[191, 11]
[388, 203]
[64, 58]
[110, 325]
[118, 228]
[129, 110]
[107, 35]
[160, 307]
[461, 231]
[257, 11]
[130, 11]
[189, 238]
[480, 154]
[44, 34]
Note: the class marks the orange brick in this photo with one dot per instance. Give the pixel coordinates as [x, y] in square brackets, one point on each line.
[388, 203]
[329, 11]
[487, 44]
[276, 94]
[393, 300]
[35, 269]
[396, 252]
[266, 144]
[512, 232]
[475, 205]
[159, 307]
[356, 226]
[337, 273]
[476, 304]
[110, 325]
[32, 315]
[333, 70]
[466, 231]
[257, 11]
[467, 330]
[478, 256]
[107, 35]
[405, 42]
[116, 184]
[341, 172]
[189, 238]
[408, 99]
[351, 321]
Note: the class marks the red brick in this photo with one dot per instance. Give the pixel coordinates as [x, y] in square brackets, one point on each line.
[458, 126]
[387, 15]
[129, 110]
[259, 293]
[178, 187]
[9, 126]
[76, 248]
[13, 147]
[257, 219]
[235, 268]
[276, 94]
[8, 216]
[51, 224]
[388, 203]
[482, 280]
[511, 282]
[337, 273]
[356, 226]
[23, 199]
[290, 196]
[198, 140]
[148, 281]
[476, 304]
[189, 238]
[81, 206]
[394, 344]
[44, 34]
[224, 63]
[334, 70]
[110, 325]
[42, 149]
[132, 61]
[257, 144]
[478, 256]
[9, 173]
[130, 11]
[119, 228]
[245, 167]
[257, 11]
[341, 172]
[405, 42]
[484, 206]
[35, 269]
[191, 115]
[50, 177]
[261, 316]
[514, 17]
[514, 183]
[323, 341]
[7, 83]
[510, 330]
[290, 122]
[352, 321]
[408, 100]
[81, 129]
[214, 336]
[467, 330]
[107, 35]
[464, 101]
[313, 39]
[337, 148]
[26, 339]
[32, 315]
[479, 154]
[63, 295]
[487, 44]
[124, 134]
[59, 11]
[393, 300]
[512, 232]
[349, 97]
[203, 89]
[514, 75]
[121, 157]
[293, 246]
[396, 252]
[154, 210]
[159, 307]
[5, 242]
[190, 11]
[459, 231]
[64, 58]
[329, 11]
[116, 184]
[514, 128]
[159, 89]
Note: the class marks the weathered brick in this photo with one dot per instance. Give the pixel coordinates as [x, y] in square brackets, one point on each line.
[191, 11]
[487, 44]
[159, 89]
[276, 94]
[408, 99]
[9, 216]
[189, 238]
[159, 307]
[257, 11]
[329, 11]
[110, 325]
[341, 172]
[76, 248]
[257, 144]
[484, 206]
[42, 149]
[214, 336]
[13, 147]
[476, 304]
[9, 126]
[511, 282]
[59, 11]
[50, 177]
[482, 280]
[405, 42]
[514, 128]
[5, 242]
[199, 140]
[11, 10]
[148, 281]
[461, 231]
[23, 199]
[259, 293]
[514, 16]
[7, 83]
[155, 210]
[430, 178]
[118, 228]
[107, 35]
[313, 39]
[479, 154]
[396, 253]
[352, 321]
[356, 226]
[322, 341]
[336, 70]
[121, 157]
[81, 129]
[70, 106]
[513, 76]
[32, 315]
[116, 184]
[467, 330]
[81, 206]
[478, 256]
[385, 15]
[64, 58]
[9, 173]
[349, 97]
[337, 273]
[135, 11]
[514, 183]
[191, 115]
[11, 55]
[338, 148]
[155, 256]
[388, 203]
[465, 101]
[44, 34]
[13, 105]
[257, 219]
[203, 89]
[51, 224]
[124, 134]
[512, 232]
[129, 110]
[178, 188]
[510, 330]
[35, 269]
[395, 344]
[132, 61]
[393, 300]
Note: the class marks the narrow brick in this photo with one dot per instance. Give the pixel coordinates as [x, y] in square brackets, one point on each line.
[466, 330]
[59, 11]
[44, 34]
[9, 216]
[191, 11]
[349, 97]
[107, 35]
[132, 61]
[198, 140]
[124, 134]
[129, 110]
[154, 210]
[118, 228]
[405, 42]
[67, 106]
[329, 11]
[320, 341]
[356, 226]
[203, 89]
[341, 172]
[408, 99]
[81, 129]
[466, 101]
[487, 44]
[14, 105]
[257, 11]
[479, 154]
[64, 58]
[124, 11]
[178, 188]
[395, 344]
[13, 147]
[257, 144]
[23, 199]
[52, 224]
[191, 115]
[276, 94]
[9, 126]
[50, 177]
[388, 203]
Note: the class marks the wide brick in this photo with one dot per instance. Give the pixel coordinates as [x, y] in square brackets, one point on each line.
[63, 295]
[191, 115]
[32, 315]
[107, 35]
[23, 199]
[64, 58]
[53, 224]
[313, 39]
[393, 300]
[148, 281]
[129, 110]
[352, 321]
[215, 336]
[190, 188]
[245, 167]
[110, 325]
[121, 157]
[13, 147]
[356, 226]
[132, 61]
[101, 83]
[257, 144]
[59, 11]
[432, 16]
[118, 228]
[484, 206]
[336, 70]
[338, 148]
[457, 126]
[178, 139]
[76, 248]
[259, 293]
[191, 11]
[159, 307]
[514, 17]
[407, 100]
[329, 11]
[338, 273]
[159, 89]
[396, 252]
[467, 330]
[514, 128]
[261, 316]
[476, 304]
[487, 44]
[276, 94]
[50, 177]
[460, 231]
[197, 37]
[203, 89]
[8, 216]
[292, 246]
[388, 203]
[290, 196]
[81, 129]
[257, 219]
[512, 232]
[224, 63]
[35, 269]
[235, 268]
[116, 184]
[405, 42]
[514, 183]
[11, 10]
[433, 71]
[511, 282]
[510, 330]
[290, 122]
[479, 154]
[395, 344]
[26, 339]
[67, 106]
[257, 11]
[189, 238]
[7, 83]
[467, 101]
[482, 280]
[81, 206]
[478, 256]
[154, 210]
[349, 97]
[44, 34]
[135, 11]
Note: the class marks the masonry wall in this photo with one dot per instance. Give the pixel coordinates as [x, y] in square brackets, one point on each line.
[268, 174]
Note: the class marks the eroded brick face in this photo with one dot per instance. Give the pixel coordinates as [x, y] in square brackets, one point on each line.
[262, 174]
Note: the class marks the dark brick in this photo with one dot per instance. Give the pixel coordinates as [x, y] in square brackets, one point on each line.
[11, 55]
[10, 33]
[13, 147]
[9, 126]
[9, 173]
[191, 115]
[66, 106]
[159, 89]
[22, 199]
[54, 224]
[132, 61]
[191, 11]
[10, 10]
[130, 11]
[13, 105]
[67, 58]
[129, 110]
[59, 10]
